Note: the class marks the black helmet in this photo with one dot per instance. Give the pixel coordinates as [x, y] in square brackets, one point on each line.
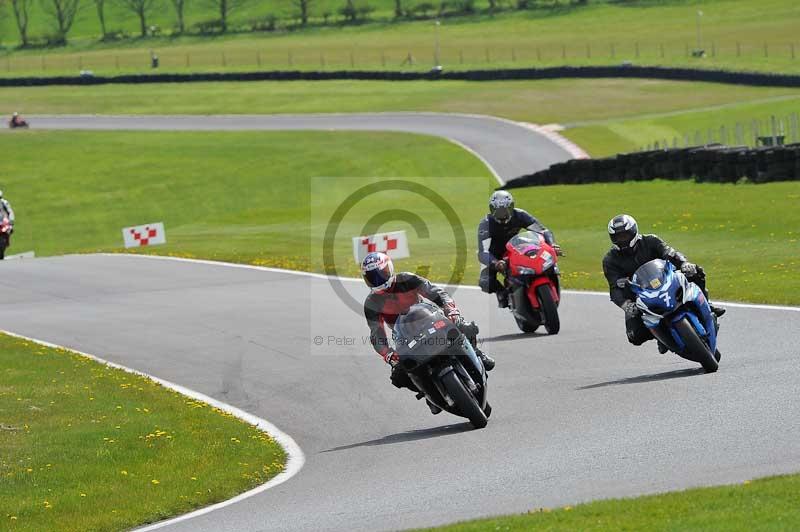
[501, 206]
[624, 232]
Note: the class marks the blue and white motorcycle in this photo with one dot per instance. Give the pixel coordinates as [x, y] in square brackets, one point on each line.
[676, 312]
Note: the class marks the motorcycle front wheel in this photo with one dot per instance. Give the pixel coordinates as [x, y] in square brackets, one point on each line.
[464, 400]
[696, 348]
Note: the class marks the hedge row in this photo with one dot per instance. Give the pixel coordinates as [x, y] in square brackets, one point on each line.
[592, 72]
[714, 163]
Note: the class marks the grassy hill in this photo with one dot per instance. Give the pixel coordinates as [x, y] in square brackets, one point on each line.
[736, 34]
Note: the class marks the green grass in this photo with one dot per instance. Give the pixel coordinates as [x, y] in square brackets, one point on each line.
[143, 453]
[765, 504]
[660, 31]
[265, 198]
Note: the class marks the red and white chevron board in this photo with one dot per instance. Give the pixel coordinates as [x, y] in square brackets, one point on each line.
[144, 235]
[394, 244]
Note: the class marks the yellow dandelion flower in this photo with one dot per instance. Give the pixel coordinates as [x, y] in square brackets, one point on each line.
[154, 481]
[123, 472]
[83, 495]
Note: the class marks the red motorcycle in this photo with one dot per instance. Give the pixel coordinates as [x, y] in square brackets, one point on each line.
[5, 236]
[533, 281]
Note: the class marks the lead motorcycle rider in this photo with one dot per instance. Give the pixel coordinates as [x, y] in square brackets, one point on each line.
[392, 295]
[498, 227]
[629, 250]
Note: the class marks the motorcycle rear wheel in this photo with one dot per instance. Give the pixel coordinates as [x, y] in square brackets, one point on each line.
[464, 400]
[696, 347]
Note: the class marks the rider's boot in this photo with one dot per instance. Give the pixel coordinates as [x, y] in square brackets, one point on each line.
[662, 348]
[434, 409]
[488, 362]
[502, 298]
[717, 311]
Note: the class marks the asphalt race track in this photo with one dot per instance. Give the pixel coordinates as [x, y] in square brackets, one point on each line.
[576, 417]
[511, 149]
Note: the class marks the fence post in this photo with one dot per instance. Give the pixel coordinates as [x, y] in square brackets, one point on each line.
[564, 51]
[588, 51]
[352, 60]
[289, 58]
[774, 122]
[766, 50]
[513, 55]
[754, 126]
[80, 62]
[258, 58]
[488, 56]
[738, 49]
[686, 140]
[43, 67]
[661, 47]
[723, 135]
[322, 59]
[461, 57]
[116, 61]
[792, 48]
[383, 58]
[637, 49]
[224, 60]
[713, 49]
[613, 51]
[698, 138]
[795, 121]
[687, 50]
[739, 137]
[538, 54]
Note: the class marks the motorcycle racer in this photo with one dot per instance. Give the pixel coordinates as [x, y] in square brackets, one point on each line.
[5, 209]
[392, 295]
[630, 249]
[498, 227]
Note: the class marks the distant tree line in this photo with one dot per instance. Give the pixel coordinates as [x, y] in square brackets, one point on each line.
[62, 13]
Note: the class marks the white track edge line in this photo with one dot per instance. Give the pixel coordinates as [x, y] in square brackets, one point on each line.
[479, 156]
[295, 456]
[759, 306]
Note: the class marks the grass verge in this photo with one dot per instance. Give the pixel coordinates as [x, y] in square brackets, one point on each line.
[265, 198]
[144, 452]
[764, 504]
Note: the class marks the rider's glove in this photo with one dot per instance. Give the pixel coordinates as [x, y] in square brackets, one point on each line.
[631, 310]
[558, 250]
[688, 269]
[454, 315]
[499, 265]
[391, 358]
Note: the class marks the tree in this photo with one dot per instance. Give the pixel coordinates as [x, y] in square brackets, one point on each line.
[225, 8]
[349, 11]
[179, 7]
[63, 13]
[304, 7]
[398, 8]
[20, 8]
[100, 6]
[142, 8]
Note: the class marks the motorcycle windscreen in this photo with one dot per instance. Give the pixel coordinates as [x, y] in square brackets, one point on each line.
[651, 275]
[416, 332]
[526, 242]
